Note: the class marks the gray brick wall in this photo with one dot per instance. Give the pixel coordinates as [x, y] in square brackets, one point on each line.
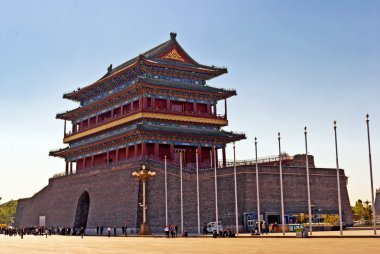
[114, 196]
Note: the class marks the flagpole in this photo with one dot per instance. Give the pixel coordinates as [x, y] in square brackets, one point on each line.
[199, 219]
[181, 167]
[338, 182]
[370, 170]
[308, 184]
[236, 204]
[166, 193]
[216, 194]
[257, 189]
[282, 190]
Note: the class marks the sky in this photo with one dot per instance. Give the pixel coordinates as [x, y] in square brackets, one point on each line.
[293, 64]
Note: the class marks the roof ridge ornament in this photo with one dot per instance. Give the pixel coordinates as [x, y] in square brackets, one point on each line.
[174, 55]
[173, 36]
[109, 69]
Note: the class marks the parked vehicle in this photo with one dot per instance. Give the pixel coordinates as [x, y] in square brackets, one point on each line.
[211, 226]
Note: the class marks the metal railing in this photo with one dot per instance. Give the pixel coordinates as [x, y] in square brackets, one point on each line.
[261, 160]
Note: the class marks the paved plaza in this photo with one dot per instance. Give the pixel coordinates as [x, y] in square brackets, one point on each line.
[321, 244]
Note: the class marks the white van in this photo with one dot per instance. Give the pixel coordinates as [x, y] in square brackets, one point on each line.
[211, 226]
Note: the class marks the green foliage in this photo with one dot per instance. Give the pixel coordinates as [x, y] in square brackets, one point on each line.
[362, 211]
[8, 212]
[331, 219]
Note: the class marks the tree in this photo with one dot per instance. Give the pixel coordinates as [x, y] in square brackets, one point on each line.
[362, 211]
[8, 212]
[332, 219]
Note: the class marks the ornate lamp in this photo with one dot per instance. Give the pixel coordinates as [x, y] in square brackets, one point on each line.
[144, 174]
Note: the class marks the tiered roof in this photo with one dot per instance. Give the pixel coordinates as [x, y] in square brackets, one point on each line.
[168, 54]
[146, 84]
[158, 132]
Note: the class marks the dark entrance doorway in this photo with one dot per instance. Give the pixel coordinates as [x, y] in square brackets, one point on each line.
[82, 211]
[273, 219]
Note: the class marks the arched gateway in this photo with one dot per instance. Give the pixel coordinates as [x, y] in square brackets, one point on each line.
[81, 214]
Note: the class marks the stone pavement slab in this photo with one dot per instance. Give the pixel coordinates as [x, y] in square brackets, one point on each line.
[116, 245]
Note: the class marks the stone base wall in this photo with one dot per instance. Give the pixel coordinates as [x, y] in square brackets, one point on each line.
[115, 194]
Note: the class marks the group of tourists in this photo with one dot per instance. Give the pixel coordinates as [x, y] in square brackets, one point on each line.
[263, 228]
[223, 233]
[100, 230]
[171, 230]
[41, 231]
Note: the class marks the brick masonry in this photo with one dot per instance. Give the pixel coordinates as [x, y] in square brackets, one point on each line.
[115, 194]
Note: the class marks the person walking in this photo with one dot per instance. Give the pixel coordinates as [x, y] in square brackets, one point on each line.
[114, 231]
[101, 230]
[97, 230]
[109, 231]
[172, 231]
[81, 232]
[264, 228]
[205, 229]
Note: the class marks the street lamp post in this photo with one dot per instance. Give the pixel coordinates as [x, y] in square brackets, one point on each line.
[144, 174]
[281, 186]
[181, 169]
[308, 184]
[257, 189]
[370, 171]
[216, 194]
[166, 193]
[338, 182]
[198, 211]
[236, 204]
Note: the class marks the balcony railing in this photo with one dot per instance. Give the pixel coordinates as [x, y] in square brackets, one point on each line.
[134, 111]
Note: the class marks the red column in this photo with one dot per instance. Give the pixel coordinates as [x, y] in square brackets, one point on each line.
[167, 104]
[126, 152]
[199, 154]
[88, 122]
[96, 119]
[171, 152]
[135, 150]
[67, 168]
[224, 156]
[211, 157]
[108, 157]
[92, 161]
[153, 103]
[208, 109]
[84, 162]
[215, 109]
[145, 103]
[117, 155]
[156, 150]
[143, 149]
[111, 113]
[195, 108]
[140, 103]
[71, 167]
